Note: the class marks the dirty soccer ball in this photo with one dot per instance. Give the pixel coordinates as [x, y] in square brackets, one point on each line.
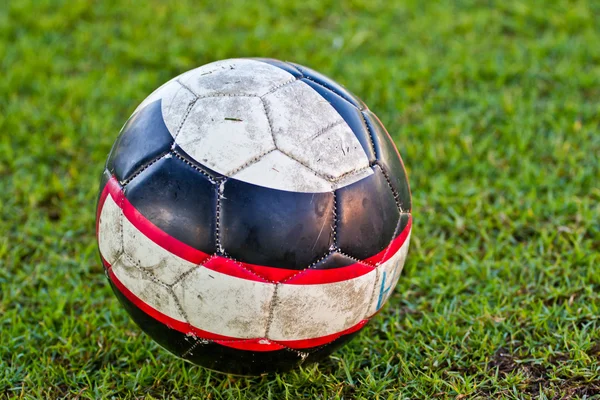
[253, 216]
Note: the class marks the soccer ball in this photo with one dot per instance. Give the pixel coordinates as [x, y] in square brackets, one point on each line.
[253, 216]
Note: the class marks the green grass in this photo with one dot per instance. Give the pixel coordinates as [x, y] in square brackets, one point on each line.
[494, 107]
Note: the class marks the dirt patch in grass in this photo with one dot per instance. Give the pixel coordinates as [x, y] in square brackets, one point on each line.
[538, 379]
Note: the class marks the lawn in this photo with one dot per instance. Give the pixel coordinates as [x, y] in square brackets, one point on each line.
[494, 106]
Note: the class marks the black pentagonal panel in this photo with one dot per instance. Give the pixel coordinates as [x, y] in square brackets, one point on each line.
[179, 200]
[331, 85]
[349, 113]
[143, 138]
[367, 216]
[282, 65]
[390, 160]
[273, 227]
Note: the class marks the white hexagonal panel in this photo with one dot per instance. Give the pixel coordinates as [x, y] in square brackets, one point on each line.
[311, 311]
[224, 133]
[235, 77]
[225, 305]
[310, 130]
[283, 173]
[144, 288]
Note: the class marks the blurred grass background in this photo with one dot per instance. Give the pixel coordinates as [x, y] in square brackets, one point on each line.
[494, 107]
